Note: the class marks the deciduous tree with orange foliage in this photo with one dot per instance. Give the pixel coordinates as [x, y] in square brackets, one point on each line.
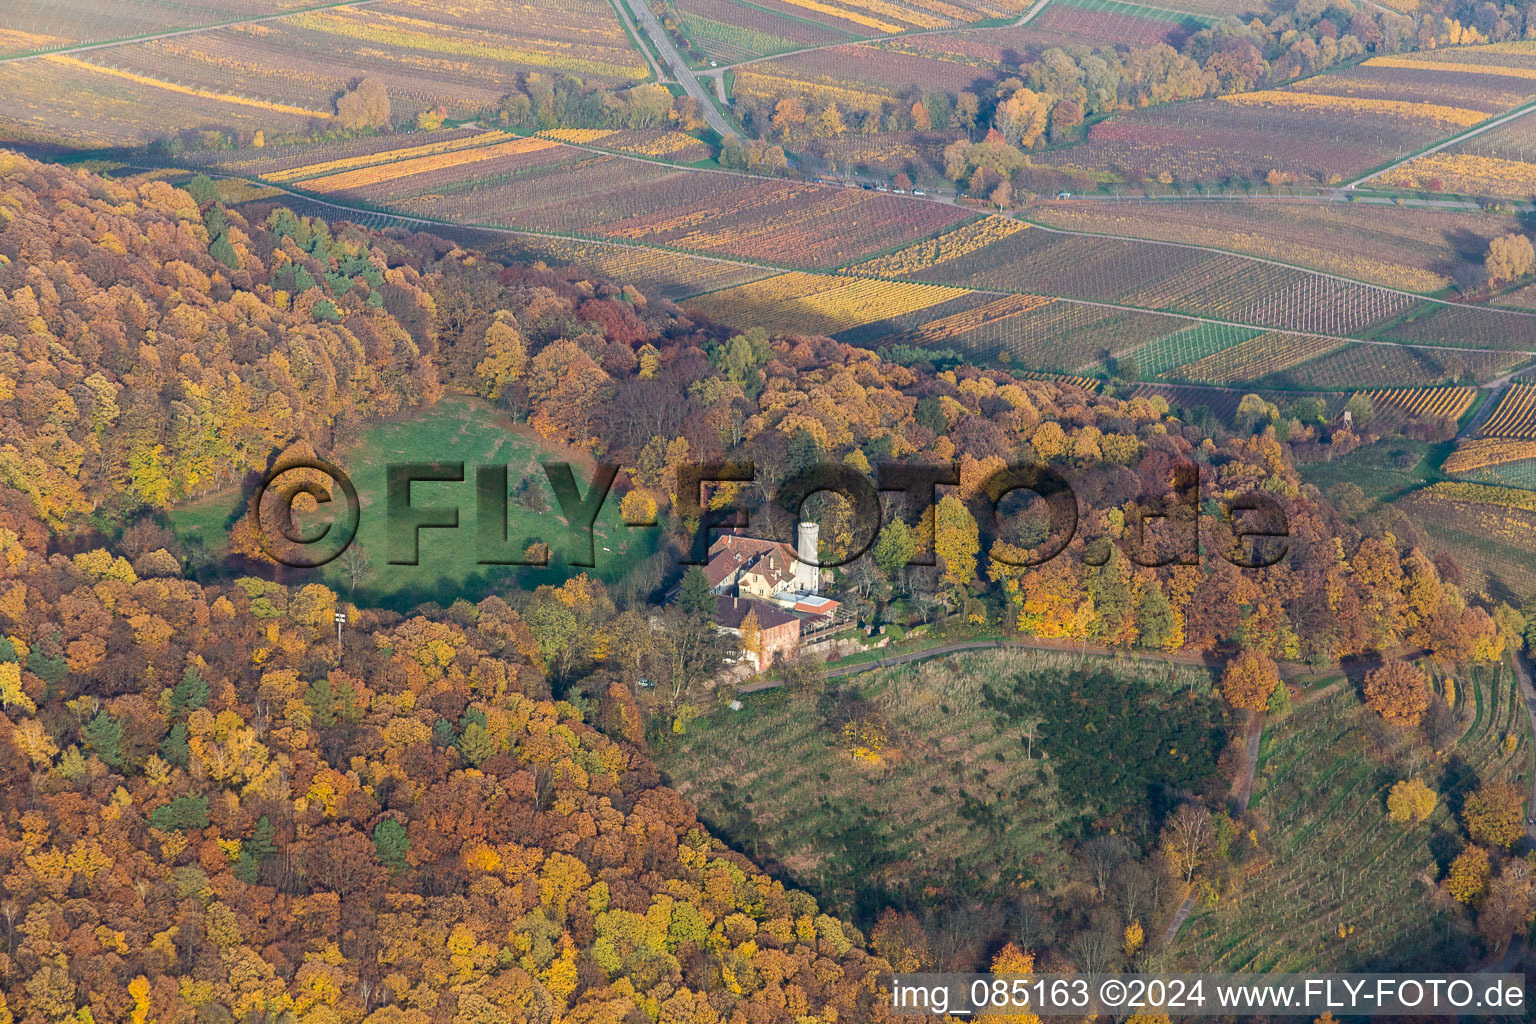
[1012, 962]
[1467, 878]
[1397, 691]
[1249, 679]
[1494, 814]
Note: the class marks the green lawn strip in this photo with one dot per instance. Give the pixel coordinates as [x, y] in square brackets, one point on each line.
[1477, 719]
[710, 35]
[1186, 346]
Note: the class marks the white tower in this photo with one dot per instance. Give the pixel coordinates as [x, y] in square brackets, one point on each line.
[807, 573]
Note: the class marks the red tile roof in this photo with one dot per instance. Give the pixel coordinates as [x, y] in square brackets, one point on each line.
[731, 611]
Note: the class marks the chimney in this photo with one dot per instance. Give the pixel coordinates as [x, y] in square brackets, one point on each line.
[807, 573]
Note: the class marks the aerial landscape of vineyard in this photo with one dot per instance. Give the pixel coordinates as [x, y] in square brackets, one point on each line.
[681, 511]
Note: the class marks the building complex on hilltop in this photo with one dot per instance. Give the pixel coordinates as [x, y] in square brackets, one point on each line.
[774, 584]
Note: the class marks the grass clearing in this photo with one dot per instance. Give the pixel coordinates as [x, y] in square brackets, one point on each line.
[455, 429]
[1385, 470]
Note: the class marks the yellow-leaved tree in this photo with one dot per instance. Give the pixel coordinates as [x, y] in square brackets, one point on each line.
[752, 635]
[1013, 962]
[1467, 879]
[1411, 801]
[506, 356]
[956, 540]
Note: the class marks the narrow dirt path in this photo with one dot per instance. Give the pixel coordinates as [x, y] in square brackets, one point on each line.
[963, 646]
[1242, 792]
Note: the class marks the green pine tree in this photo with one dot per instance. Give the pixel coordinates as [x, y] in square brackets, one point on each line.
[202, 189]
[391, 844]
[103, 736]
[1155, 618]
[181, 814]
[263, 841]
[175, 748]
[1280, 701]
[696, 598]
[221, 250]
[191, 693]
[475, 744]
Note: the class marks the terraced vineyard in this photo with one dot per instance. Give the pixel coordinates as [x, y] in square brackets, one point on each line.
[1162, 357]
[799, 303]
[1174, 279]
[1515, 415]
[1502, 462]
[1415, 249]
[730, 32]
[1448, 403]
[1117, 22]
[1498, 162]
[653, 271]
[1335, 860]
[959, 805]
[35, 26]
[1148, 309]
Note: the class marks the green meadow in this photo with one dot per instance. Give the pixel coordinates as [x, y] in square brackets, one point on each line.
[448, 567]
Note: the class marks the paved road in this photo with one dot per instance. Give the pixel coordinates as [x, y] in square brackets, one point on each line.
[1029, 15]
[679, 68]
[169, 33]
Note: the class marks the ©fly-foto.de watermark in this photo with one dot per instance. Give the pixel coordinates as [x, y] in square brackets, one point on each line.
[1256, 521]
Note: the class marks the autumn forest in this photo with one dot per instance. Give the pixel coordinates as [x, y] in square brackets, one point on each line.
[1163, 603]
